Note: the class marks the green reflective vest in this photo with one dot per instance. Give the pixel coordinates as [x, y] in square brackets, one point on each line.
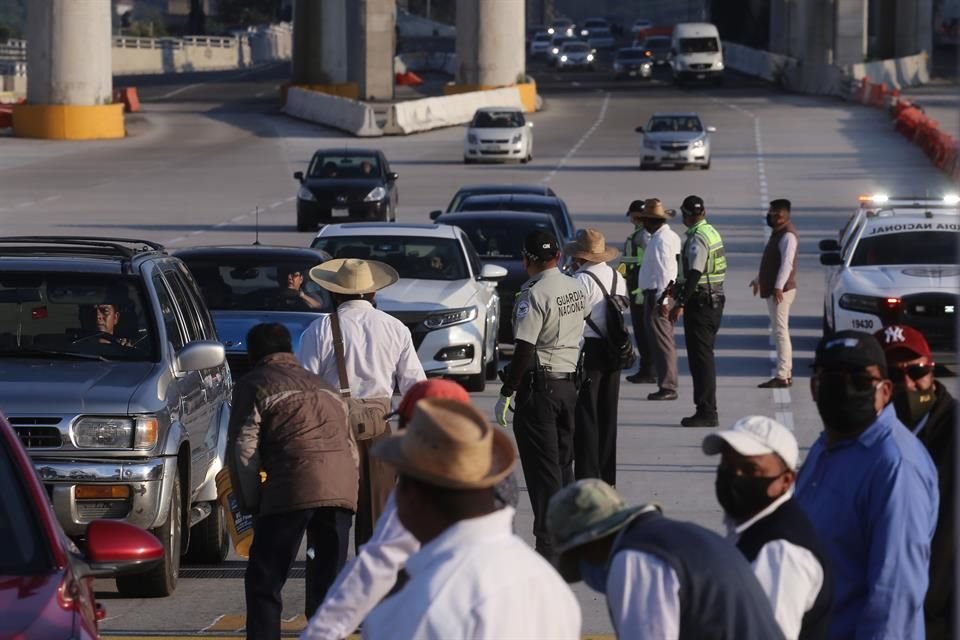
[716, 256]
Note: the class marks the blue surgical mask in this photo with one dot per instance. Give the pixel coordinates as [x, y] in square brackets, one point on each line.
[594, 576]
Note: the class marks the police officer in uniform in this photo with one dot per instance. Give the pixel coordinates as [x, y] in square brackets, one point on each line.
[548, 326]
[700, 302]
[631, 262]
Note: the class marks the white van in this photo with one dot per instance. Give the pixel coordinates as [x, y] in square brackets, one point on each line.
[697, 52]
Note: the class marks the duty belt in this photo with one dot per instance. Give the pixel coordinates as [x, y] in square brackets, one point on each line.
[551, 375]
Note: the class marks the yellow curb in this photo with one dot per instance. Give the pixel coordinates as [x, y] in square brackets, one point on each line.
[68, 122]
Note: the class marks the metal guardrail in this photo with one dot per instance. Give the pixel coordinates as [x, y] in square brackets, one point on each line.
[128, 42]
[15, 50]
[13, 68]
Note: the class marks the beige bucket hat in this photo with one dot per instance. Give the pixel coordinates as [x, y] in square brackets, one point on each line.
[590, 245]
[353, 277]
[449, 444]
[653, 208]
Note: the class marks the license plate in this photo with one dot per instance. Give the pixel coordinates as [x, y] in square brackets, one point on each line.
[632, 72]
[493, 147]
[673, 157]
[340, 211]
[701, 76]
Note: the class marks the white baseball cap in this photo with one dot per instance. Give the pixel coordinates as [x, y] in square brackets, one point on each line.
[756, 436]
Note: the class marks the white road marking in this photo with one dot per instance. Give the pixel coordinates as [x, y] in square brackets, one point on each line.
[215, 226]
[276, 204]
[176, 92]
[586, 136]
[51, 199]
[27, 203]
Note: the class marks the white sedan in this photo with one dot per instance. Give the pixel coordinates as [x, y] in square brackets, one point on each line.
[895, 263]
[676, 139]
[445, 296]
[498, 134]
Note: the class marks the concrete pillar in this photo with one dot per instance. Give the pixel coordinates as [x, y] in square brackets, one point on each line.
[816, 52]
[320, 42]
[851, 32]
[373, 45]
[69, 73]
[914, 29]
[490, 41]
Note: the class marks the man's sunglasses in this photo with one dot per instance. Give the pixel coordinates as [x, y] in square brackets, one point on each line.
[913, 371]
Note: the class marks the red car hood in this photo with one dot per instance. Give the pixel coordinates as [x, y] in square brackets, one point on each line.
[30, 608]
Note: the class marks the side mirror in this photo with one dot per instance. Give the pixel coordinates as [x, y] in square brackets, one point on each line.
[298, 175]
[435, 214]
[115, 548]
[200, 355]
[639, 129]
[492, 273]
[829, 245]
[831, 259]
[392, 176]
[711, 129]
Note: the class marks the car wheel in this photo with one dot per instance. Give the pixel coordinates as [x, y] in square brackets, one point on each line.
[209, 539]
[305, 224]
[493, 367]
[645, 166]
[161, 580]
[468, 161]
[476, 382]
[704, 167]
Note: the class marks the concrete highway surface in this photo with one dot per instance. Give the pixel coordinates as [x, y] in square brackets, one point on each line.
[208, 151]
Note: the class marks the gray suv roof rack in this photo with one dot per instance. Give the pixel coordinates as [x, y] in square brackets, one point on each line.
[119, 247]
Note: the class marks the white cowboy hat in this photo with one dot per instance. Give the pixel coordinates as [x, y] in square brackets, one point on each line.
[352, 276]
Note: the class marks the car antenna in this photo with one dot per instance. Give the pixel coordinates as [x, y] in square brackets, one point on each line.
[256, 226]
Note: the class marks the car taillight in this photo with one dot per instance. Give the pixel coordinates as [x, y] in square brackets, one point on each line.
[892, 304]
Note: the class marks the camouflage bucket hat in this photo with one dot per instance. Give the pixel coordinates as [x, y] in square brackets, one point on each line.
[585, 511]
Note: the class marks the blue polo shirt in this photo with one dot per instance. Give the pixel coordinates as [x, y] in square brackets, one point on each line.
[873, 501]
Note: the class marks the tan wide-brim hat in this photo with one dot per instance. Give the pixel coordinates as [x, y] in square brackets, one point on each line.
[352, 276]
[590, 245]
[449, 444]
[653, 208]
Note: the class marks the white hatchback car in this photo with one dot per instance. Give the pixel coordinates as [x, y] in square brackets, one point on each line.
[498, 134]
[445, 296]
[895, 263]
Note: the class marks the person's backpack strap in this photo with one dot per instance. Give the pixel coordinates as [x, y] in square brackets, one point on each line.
[593, 325]
[338, 353]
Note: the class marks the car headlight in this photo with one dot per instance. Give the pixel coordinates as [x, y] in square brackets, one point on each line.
[555, 50]
[649, 144]
[563, 58]
[516, 139]
[378, 193]
[450, 317]
[570, 31]
[869, 304]
[471, 139]
[584, 32]
[99, 432]
[697, 144]
[304, 194]
[589, 57]
[551, 30]
[718, 65]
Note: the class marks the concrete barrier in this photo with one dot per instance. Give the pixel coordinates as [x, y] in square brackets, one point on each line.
[756, 62]
[895, 73]
[434, 113]
[347, 115]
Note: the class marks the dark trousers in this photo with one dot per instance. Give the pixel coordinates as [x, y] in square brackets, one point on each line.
[276, 540]
[643, 346]
[701, 321]
[377, 480]
[543, 425]
[595, 439]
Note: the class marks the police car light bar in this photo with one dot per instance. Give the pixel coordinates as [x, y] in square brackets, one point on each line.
[950, 199]
[877, 198]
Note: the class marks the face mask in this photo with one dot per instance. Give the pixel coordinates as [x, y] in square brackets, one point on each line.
[742, 496]
[844, 409]
[772, 220]
[911, 406]
[594, 576]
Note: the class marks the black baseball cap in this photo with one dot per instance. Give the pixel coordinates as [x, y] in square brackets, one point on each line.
[692, 206]
[635, 207]
[848, 349]
[540, 246]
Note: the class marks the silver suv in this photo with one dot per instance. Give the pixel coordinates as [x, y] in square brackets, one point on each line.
[113, 378]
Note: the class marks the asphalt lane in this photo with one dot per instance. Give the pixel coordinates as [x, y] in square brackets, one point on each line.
[201, 162]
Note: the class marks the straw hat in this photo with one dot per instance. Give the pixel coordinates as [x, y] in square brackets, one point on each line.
[449, 444]
[351, 276]
[653, 209]
[591, 246]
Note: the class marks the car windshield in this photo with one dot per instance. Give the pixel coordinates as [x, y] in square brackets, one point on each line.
[74, 316]
[674, 123]
[412, 256]
[896, 248]
[257, 283]
[22, 549]
[699, 45]
[344, 166]
[502, 240]
[497, 120]
[630, 54]
[600, 33]
[657, 44]
[575, 47]
[554, 210]
[542, 37]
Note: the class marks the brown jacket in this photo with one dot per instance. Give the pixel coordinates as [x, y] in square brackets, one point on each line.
[291, 424]
[771, 261]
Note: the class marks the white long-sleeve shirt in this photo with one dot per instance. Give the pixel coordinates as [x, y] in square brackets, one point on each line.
[478, 580]
[660, 260]
[595, 298]
[377, 347]
[643, 595]
[365, 579]
[788, 251]
[789, 574]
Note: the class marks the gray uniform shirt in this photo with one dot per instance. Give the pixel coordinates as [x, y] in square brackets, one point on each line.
[695, 253]
[549, 314]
